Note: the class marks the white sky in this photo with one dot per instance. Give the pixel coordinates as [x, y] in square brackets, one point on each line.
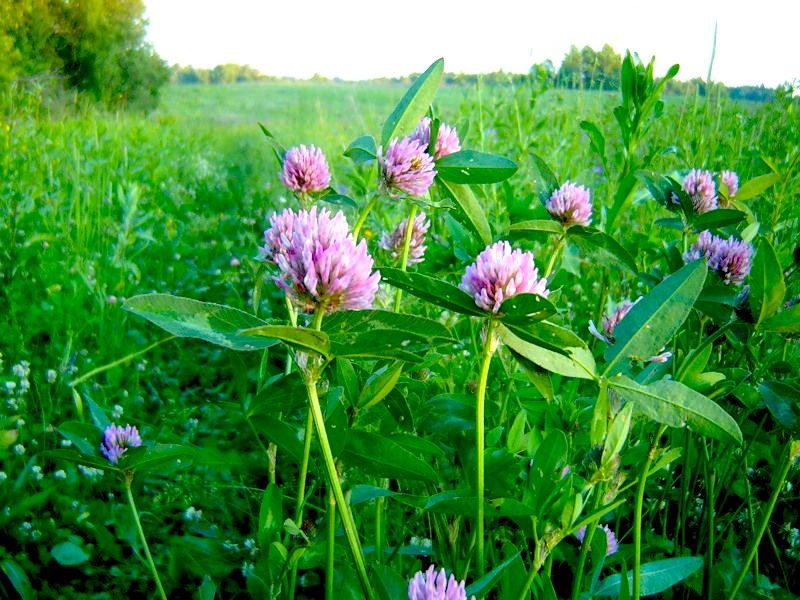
[757, 41]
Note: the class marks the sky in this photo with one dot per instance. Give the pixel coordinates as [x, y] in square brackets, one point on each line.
[757, 41]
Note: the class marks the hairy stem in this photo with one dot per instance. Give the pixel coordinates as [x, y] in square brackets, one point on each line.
[129, 495]
[398, 296]
[363, 217]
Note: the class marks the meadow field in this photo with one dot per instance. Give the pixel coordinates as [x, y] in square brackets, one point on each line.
[685, 448]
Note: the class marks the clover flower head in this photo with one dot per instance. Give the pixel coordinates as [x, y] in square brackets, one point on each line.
[612, 546]
[430, 585]
[405, 166]
[320, 263]
[117, 440]
[730, 258]
[278, 238]
[499, 273]
[447, 141]
[731, 181]
[305, 170]
[571, 205]
[393, 242]
[699, 184]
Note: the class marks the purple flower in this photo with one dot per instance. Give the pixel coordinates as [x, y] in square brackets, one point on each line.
[699, 184]
[278, 237]
[500, 273]
[429, 585]
[730, 258]
[612, 546]
[320, 264]
[446, 138]
[610, 321]
[393, 242]
[305, 170]
[116, 440]
[731, 181]
[571, 205]
[407, 167]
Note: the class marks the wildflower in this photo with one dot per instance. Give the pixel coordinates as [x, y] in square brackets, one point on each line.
[51, 376]
[393, 242]
[3, 476]
[278, 237]
[446, 138]
[407, 167]
[500, 273]
[610, 321]
[116, 412]
[699, 184]
[571, 205]
[117, 440]
[429, 585]
[305, 170]
[731, 181]
[191, 514]
[18, 449]
[37, 472]
[321, 265]
[22, 370]
[234, 262]
[61, 474]
[731, 258]
[612, 546]
[112, 300]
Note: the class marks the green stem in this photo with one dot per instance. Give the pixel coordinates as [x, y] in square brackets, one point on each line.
[301, 485]
[762, 525]
[120, 361]
[551, 263]
[333, 479]
[585, 547]
[488, 350]
[293, 321]
[525, 593]
[398, 296]
[128, 481]
[709, 475]
[379, 506]
[363, 216]
[637, 525]
[329, 568]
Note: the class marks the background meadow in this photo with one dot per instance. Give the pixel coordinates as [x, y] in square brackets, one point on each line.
[99, 206]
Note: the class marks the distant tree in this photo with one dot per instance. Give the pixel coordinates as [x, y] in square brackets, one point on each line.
[94, 46]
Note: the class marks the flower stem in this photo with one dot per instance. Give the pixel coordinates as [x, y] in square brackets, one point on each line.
[488, 350]
[301, 485]
[765, 517]
[128, 481]
[551, 263]
[586, 545]
[398, 296]
[363, 216]
[637, 523]
[329, 568]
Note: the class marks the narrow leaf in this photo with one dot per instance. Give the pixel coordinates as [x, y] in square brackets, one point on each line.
[413, 104]
[469, 208]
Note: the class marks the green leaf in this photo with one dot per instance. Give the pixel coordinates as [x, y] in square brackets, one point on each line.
[598, 142]
[81, 459]
[68, 554]
[215, 323]
[380, 456]
[149, 458]
[655, 576]
[526, 308]
[379, 384]
[548, 178]
[85, 437]
[18, 578]
[286, 437]
[579, 362]
[472, 167]
[270, 516]
[547, 335]
[547, 226]
[277, 149]
[340, 200]
[388, 583]
[306, 340]
[757, 186]
[433, 290]
[362, 149]
[767, 287]
[488, 581]
[413, 105]
[208, 589]
[676, 405]
[603, 246]
[469, 208]
[786, 321]
[652, 321]
[617, 433]
[721, 217]
[783, 401]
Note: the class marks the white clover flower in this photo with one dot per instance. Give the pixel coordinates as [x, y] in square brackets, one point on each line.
[3, 476]
[60, 474]
[51, 375]
[18, 449]
[117, 411]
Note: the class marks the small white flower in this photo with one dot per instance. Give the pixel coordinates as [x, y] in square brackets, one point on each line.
[18, 449]
[60, 474]
[51, 375]
[66, 443]
[3, 476]
[116, 412]
[11, 386]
